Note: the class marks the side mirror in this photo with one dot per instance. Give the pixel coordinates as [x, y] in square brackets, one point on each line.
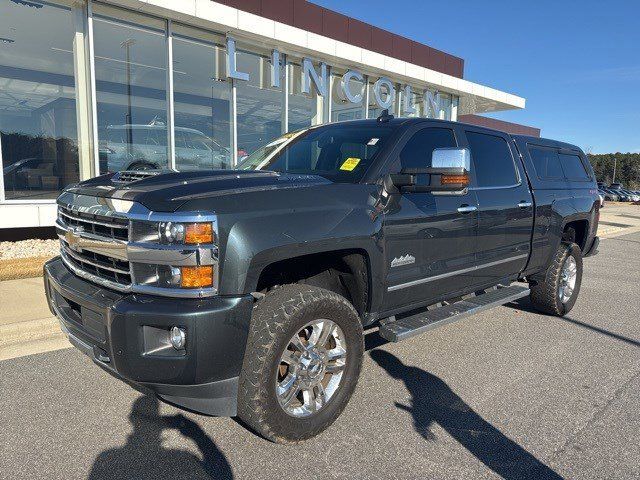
[449, 172]
[447, 158]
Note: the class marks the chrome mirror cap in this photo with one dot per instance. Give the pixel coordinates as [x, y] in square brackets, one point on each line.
[451, 158]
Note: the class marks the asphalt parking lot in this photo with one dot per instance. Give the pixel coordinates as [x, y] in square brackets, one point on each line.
[508, 393]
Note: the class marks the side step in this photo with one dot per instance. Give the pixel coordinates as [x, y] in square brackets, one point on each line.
[397, 330]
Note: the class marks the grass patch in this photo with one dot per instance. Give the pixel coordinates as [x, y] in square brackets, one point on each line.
[14, 268]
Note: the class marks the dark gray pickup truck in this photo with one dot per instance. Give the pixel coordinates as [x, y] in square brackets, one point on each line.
[246, 292]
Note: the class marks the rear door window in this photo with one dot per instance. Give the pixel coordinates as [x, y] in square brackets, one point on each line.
[573, 167]
[546, 162]
[492, 160]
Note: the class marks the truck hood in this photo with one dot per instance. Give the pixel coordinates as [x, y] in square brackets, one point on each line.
[167, 191]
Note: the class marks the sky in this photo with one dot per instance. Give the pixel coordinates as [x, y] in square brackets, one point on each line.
[577, 63]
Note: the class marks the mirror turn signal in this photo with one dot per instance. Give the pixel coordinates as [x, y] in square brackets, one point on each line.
[461, 180]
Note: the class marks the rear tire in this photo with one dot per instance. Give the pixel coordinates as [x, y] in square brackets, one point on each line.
[284, 315]
[558, 292]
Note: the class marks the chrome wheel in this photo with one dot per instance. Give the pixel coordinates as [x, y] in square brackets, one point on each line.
[568, 278]
[311, 368]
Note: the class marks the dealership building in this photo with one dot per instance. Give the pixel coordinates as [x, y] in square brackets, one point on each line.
[89, 87]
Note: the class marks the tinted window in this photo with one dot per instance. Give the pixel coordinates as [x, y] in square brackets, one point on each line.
[340, 153]
[418, 150]
[546, 162]
[573, 167]
[492, 160]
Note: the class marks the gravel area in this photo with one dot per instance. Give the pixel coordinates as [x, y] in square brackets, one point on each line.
[29, 248]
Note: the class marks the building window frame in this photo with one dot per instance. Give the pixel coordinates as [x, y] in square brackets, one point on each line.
[171, 137]
[79, 11]
[144, 22]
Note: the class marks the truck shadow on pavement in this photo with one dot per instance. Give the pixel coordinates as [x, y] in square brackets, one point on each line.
[432, 401]
[524, 304]
[144, 456]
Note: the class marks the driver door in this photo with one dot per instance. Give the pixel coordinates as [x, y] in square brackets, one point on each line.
[429, 238]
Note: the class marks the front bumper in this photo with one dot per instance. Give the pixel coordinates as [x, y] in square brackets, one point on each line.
[109, 327]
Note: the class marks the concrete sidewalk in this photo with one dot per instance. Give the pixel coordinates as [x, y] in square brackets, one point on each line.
[27, 326]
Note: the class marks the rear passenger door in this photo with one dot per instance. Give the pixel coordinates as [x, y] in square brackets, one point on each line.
[505, 207]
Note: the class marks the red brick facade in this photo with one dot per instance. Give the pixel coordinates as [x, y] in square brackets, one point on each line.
[320, 20]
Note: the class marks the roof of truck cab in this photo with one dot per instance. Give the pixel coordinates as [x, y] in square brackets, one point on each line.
[407, 121]
[546, 142]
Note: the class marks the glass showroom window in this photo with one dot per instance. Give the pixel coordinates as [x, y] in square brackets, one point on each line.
[202, 100]
[305, 109]
[131, 77]
[374, 108]
[416, 102]
[37, 100]
[259, 105]
[444, 104]
[437, 105]
[342, 107]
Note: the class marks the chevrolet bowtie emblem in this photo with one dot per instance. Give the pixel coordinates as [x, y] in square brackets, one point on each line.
[72, 238]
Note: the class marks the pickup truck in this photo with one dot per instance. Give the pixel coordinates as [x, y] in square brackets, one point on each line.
[246, 292]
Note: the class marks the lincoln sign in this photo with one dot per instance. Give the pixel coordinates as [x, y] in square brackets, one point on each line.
[383, 89]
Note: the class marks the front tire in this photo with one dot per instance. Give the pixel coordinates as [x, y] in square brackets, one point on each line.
[558, 292]
[301, 364]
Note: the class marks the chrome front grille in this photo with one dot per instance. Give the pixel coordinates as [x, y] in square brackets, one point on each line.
[106, 234]
[100, 241]
[108, 227]
[102, 266]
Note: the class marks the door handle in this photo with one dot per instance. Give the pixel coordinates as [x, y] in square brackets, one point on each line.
[524, 204]
[467, 208]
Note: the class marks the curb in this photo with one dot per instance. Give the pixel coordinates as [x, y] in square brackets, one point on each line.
[25, 331]
[42, 345]
[617, 231]
[35, 336]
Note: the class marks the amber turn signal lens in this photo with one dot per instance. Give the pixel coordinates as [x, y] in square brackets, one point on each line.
[198, 233]
[197, 277]
[455, 180]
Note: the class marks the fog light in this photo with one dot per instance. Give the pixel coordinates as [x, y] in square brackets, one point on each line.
[178, 338]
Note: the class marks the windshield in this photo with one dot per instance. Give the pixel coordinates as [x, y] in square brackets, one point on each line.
[340, 152]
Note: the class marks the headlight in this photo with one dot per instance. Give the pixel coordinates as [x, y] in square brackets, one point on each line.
[167, 276]
[177, 255]
[173, 233]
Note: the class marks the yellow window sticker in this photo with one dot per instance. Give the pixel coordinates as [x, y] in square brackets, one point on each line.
[349, 164]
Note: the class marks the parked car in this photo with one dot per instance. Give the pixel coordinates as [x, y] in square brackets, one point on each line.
[624, 195]
[616, 186]
[144, 147]
[620, 196]
[247, 293]
[608, 195]
[633, 197]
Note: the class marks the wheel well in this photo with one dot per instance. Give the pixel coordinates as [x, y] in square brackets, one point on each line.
[576, 232]
[345, 272]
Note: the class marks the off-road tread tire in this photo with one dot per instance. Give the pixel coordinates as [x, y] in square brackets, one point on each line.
[274, 318]
[544, 294]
